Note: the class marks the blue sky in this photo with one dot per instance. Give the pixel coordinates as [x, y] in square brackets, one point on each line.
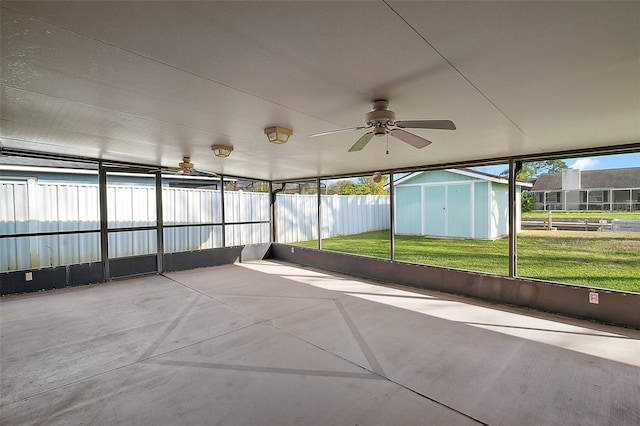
[605, 162]
[584, 163]
[587, 163]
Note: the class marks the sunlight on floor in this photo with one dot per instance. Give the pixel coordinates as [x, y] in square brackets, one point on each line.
[614, 346]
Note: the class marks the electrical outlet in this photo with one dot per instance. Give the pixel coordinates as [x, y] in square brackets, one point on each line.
[593, 298]
[28, 276]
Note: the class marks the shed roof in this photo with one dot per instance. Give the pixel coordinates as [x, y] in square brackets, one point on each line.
[467, 172]
[591, 179]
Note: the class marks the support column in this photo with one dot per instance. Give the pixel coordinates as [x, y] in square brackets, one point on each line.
[514, 168]
[319, 225]
[224, 227]
[272, 214]
[159, 221]
[104, 236]
[392, 218]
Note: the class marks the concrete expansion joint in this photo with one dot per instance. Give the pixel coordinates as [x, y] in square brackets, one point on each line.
[374, 368]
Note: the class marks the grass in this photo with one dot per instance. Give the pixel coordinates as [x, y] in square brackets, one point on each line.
[591, 214]
[594, 259]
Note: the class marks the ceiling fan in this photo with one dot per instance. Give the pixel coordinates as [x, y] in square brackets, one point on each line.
[382, 121]
[186, 167]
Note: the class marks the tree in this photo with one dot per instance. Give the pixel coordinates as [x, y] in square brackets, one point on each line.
[526, 201]
[533, 169]
[346, 187]
[365, 185]
[374, 188]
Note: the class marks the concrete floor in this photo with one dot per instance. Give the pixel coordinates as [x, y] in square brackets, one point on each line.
[272, 344]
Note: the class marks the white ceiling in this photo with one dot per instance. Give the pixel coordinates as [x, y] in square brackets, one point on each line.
[149, 82]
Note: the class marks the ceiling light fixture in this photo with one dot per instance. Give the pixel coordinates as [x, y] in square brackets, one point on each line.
[278, 134]
[222, 150]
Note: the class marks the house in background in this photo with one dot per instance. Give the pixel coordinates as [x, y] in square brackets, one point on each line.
[572, 189]
[454, 203]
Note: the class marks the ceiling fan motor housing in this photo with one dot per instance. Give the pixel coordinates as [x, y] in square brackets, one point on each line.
[380, 116]
[186, 163]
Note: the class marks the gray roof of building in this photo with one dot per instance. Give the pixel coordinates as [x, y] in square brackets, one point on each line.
[592, 179]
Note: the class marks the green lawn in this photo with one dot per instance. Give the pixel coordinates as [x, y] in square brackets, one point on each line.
[591, 214]
[595, 259]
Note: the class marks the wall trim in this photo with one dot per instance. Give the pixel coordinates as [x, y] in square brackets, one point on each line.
[13, 282]
[614, 307]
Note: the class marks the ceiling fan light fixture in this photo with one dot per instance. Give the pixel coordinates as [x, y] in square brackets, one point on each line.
[379, 131]
[277, 134]
[222, 150]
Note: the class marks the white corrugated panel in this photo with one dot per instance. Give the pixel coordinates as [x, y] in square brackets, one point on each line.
[297, 217]
[14, 219]
[46, 214]
[129, 206]
[340, 215]
[182, 206]
[243, 206]
[240, 206]
[192, 238]
[132, 243]
[52, 207]
[15, 254]
[14, 208]
[252, 233]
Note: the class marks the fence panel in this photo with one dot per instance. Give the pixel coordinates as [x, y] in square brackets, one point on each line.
[341, 215]
[190, 206]
[240, 206]
[28, 206]
[14, 209]
[248, 233]
[297, 217]
[192, 238]
[243, 206]
[129, 206]
[51, 207]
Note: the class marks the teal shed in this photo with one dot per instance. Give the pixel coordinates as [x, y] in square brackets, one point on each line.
[454, 203]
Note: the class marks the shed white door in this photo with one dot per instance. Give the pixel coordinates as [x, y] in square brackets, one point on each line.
[459, 211]
[448, 211]
[435, 210]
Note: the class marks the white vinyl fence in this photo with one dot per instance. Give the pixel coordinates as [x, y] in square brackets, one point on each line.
[27, 207]
[191, 206]
[244, 207]
[297, 215]
[31, 207]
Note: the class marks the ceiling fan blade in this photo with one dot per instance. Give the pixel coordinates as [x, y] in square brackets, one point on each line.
[364, 140]
[410, 138]
[426, 124]
[330, 132]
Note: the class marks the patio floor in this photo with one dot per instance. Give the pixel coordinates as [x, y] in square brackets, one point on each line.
[271, 343]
